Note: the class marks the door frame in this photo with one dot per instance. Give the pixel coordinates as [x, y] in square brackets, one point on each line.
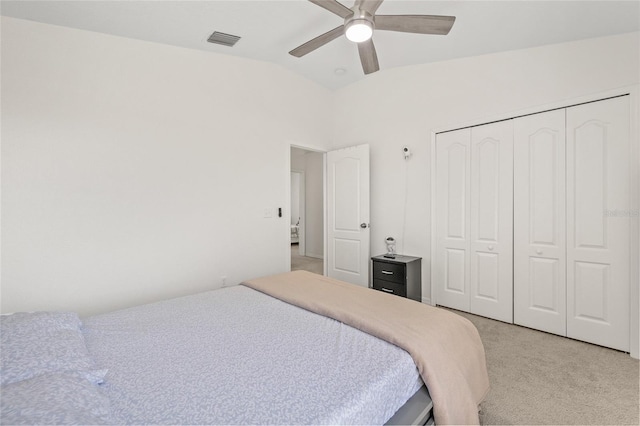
[634, 158]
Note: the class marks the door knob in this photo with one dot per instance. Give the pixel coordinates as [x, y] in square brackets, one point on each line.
[364, 225]
[490, 247]
[538, 251]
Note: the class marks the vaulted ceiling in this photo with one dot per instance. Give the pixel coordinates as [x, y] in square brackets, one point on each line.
[269, 29]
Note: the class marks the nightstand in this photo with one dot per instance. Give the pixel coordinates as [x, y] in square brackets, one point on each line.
[400, 276]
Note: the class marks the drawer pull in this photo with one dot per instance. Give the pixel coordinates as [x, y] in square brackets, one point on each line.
[386, 290]
[387, 272]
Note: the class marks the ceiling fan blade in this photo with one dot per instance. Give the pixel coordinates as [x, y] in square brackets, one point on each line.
[369, 5]
[421, 24]
[368, 56]
[317, 42]
[334, 7]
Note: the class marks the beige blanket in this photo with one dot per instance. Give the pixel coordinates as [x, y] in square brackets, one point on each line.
[445, 347]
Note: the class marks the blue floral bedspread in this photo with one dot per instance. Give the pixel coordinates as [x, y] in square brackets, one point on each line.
[252, 359]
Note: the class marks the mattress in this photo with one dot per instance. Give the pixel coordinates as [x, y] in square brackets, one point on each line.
[238, 356]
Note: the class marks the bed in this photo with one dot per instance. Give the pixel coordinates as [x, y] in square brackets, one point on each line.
[295, 348]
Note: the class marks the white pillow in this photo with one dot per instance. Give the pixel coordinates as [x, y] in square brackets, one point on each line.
[43, 342]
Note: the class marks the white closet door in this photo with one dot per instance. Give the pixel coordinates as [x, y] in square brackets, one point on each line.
[598, 222]
[491, 230]
[451, 268]
[539, 222]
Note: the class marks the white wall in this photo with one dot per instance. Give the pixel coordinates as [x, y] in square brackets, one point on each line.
[295, 197]
[311, 163]
[403, 106]
[314, 204]
[134, 171]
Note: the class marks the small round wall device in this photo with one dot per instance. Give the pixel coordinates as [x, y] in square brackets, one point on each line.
[407, 152]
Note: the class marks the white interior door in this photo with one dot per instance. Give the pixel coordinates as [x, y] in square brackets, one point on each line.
[539, 222]
[491, 230]
[348, 214]
[451, 267]
[598, 206]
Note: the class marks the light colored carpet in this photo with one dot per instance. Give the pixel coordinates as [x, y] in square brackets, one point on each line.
[542, 379]
[305, 263]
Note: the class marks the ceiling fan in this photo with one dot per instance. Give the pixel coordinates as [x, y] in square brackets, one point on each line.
[360, 22]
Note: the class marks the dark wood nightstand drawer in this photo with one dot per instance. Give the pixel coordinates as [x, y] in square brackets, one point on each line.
[400, 275]
[391, 288]
[389, 272]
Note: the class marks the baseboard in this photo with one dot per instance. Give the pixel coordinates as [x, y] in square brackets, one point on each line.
[315, 256]
[427, 301]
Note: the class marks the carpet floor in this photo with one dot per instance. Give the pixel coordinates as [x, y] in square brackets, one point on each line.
[542, 379]
[305, 263]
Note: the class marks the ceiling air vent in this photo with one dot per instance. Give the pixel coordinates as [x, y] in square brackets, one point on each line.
[223, 39]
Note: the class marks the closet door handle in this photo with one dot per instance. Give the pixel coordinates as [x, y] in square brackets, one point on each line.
[387, 272]
[490, 247]
[538, 251]
[386, 290]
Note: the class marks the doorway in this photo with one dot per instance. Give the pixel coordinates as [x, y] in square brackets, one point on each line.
[307, 210]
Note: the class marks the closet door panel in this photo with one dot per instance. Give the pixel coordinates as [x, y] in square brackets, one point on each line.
[598, 222]
[491, 221]
[452, 219]
[539, 222]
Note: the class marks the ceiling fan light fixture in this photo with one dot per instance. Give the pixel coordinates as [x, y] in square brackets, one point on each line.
[359, 30]
[361, 20]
